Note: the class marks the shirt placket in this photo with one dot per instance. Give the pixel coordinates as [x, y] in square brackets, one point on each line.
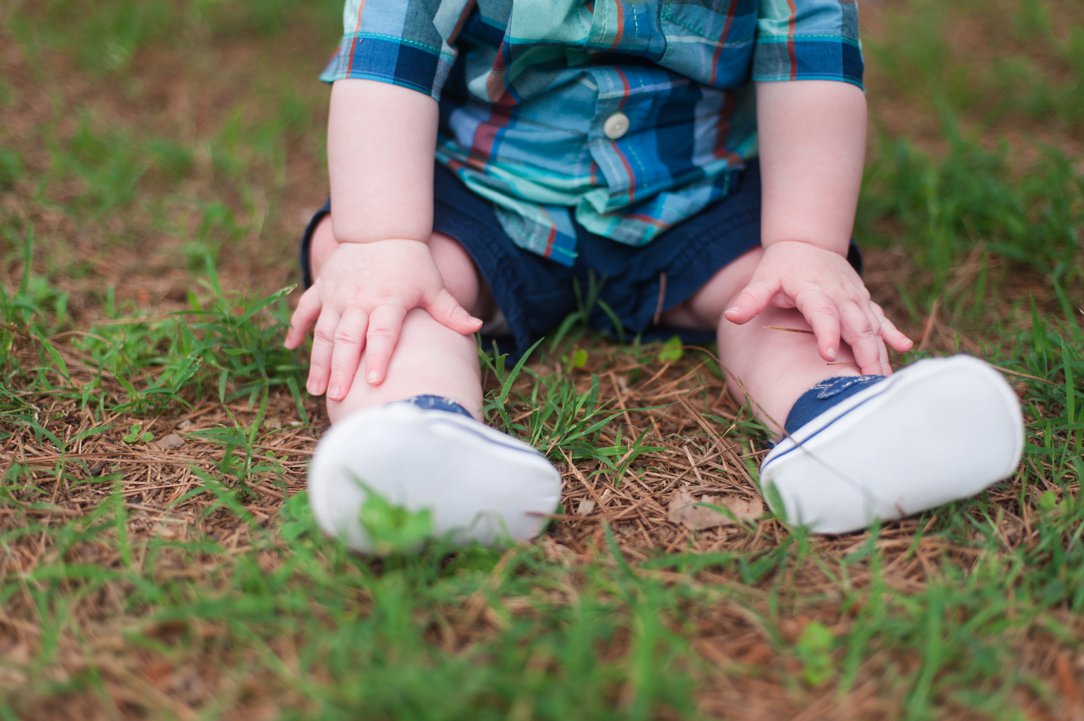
[615, 113]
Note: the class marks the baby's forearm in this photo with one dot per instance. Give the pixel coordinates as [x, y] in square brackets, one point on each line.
[381, 140]
[812, 140]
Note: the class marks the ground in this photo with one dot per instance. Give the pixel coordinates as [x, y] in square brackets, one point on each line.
[159, 559]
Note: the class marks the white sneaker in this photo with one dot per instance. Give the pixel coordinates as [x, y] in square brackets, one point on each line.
[480, 485]
[937, 431]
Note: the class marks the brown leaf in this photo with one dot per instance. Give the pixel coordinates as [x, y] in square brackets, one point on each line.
[169, 442]
[585, 507]
[746, 509]
[698, 514]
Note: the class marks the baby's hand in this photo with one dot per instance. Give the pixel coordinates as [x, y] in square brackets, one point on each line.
[827, 291]
[358, 304]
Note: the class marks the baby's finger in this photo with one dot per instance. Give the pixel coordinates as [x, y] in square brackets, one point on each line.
[306, 313]
[446, 310]
[863, 337]
[323, 341]
[823, 317]
[349, 340]
[751, 300]
[897, 340]
[384, 326]
[886, 367]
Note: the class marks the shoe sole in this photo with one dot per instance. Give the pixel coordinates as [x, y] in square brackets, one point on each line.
[935, 432]
[480, 485]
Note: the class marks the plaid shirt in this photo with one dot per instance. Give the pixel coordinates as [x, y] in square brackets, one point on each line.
[624, 116]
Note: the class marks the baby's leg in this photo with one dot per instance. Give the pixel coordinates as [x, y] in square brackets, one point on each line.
[416, 440]
[771, 360]
[430, 358]
[859, 448]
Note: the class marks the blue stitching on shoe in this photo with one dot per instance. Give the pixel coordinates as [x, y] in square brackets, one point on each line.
[431, 402]
[884, 389]
[830, 387]
[823, 396]
[533, 452]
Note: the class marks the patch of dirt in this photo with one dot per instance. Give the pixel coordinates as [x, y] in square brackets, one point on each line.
[978, 39]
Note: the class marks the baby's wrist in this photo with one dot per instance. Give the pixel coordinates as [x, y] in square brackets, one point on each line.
[378, 240]
[832, 246]
[350, 227]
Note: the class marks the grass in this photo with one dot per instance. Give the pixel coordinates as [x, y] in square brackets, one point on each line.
[158, 558]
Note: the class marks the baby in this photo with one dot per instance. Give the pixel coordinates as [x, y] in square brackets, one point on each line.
[703, 159]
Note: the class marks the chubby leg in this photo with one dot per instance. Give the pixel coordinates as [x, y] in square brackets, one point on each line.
[771, 360]
[455, 374]
[475, 483]
[870, 448]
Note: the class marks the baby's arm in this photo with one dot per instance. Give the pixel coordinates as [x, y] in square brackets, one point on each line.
[812, 137]
[380, 145]
[381, 140]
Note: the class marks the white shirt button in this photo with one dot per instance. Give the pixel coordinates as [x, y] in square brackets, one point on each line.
[616, 126]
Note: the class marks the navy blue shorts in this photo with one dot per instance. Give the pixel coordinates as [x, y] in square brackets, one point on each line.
[632, 285]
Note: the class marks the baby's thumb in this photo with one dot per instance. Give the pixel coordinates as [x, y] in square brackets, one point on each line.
[446, 310]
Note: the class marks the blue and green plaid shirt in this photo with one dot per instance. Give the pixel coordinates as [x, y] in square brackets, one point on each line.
[624, 116]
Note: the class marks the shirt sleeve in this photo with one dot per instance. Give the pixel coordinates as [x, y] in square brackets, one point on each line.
[808, 40]
[409, 43]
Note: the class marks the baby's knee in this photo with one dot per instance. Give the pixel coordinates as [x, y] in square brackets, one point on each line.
[705, 307]
[461, 276]
[322, 245]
